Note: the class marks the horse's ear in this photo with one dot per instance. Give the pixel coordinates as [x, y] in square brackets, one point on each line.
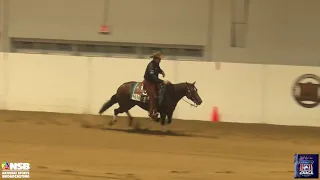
[194, 83]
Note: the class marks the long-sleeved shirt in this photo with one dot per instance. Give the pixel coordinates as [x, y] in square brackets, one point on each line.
[152, 72]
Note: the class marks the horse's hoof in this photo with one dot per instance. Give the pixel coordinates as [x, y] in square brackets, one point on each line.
[111, 123]
[105, 127]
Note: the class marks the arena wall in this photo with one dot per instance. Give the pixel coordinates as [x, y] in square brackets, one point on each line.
[244, 93]
[273, 31]
[129, 21]
[278, 32]
[2, 81]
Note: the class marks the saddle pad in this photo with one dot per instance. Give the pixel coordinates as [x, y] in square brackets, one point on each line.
[139, 93]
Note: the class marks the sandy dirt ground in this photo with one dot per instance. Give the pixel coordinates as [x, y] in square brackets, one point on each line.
[66, 146]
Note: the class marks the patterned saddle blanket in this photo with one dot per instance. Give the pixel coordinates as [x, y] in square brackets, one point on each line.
[139, 93]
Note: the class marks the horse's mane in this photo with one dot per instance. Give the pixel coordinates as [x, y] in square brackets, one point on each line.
[174, 87]
[178, 84]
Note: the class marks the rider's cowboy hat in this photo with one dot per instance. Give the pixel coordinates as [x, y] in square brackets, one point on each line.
[156, 55]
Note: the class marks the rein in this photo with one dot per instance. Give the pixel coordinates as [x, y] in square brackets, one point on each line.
[191, 104]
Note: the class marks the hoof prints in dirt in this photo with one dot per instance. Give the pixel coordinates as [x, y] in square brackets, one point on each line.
[160, 133]
[67, 171]
[85, 125]
[146, 131]
[149, 132]
[42, 167]
[109, 175]
[289, 171]
[128, 176]
[180, 172]
[225, 172]
[188, 172]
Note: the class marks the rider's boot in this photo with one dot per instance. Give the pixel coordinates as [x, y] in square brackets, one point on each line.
[152, 111]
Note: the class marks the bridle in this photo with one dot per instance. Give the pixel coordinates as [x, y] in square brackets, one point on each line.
[193, 104]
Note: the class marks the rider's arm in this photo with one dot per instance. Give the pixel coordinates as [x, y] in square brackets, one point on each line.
[161, 71]
[153, 75]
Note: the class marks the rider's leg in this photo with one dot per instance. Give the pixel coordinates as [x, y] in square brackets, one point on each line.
[161, 93]
[152, 102]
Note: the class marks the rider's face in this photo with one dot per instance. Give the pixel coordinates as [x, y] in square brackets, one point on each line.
[157, 60]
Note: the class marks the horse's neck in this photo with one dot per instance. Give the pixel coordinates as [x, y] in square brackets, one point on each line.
[179, 93]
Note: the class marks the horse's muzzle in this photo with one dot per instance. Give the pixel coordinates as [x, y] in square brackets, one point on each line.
[199, 102]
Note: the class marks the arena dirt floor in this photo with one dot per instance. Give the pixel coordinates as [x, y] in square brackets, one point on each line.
[66, 146]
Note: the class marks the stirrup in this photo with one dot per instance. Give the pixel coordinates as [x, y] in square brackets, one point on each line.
[154, 116]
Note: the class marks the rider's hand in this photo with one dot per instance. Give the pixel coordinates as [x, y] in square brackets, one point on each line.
[163, 74]
[166, 82]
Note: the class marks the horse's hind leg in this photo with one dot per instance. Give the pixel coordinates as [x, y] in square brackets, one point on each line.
[122, 109]
[115, 114]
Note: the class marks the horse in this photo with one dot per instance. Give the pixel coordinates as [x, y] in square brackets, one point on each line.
[132, 93]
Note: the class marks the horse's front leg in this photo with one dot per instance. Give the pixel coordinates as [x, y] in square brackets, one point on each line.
[163, 118]
[169, 115]
[163, 121]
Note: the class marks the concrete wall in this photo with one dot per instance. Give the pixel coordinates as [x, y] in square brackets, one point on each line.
[1, 24]
[4, 19]
[138, 21]
[245, 93]
[279, 32]
[285, 32]
[3, 84]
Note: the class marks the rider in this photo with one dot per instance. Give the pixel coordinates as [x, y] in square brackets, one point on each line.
[151, 81]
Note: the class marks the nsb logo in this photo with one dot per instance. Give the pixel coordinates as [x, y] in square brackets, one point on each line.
[15, 166]
[5, 166]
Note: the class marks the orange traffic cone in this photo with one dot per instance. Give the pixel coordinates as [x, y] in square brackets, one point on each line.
[215, 117]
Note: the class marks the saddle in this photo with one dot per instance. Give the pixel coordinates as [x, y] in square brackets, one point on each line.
[140, 94]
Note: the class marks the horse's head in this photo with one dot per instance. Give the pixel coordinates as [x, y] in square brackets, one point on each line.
[192, 93]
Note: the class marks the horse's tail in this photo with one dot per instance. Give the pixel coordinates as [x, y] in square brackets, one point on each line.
[108, 104]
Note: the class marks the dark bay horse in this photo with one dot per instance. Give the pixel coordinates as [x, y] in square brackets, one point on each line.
[130, 94]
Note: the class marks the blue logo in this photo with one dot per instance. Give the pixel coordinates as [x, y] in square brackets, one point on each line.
[306, 166]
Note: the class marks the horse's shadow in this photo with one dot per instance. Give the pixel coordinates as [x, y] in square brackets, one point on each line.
[149, 132]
